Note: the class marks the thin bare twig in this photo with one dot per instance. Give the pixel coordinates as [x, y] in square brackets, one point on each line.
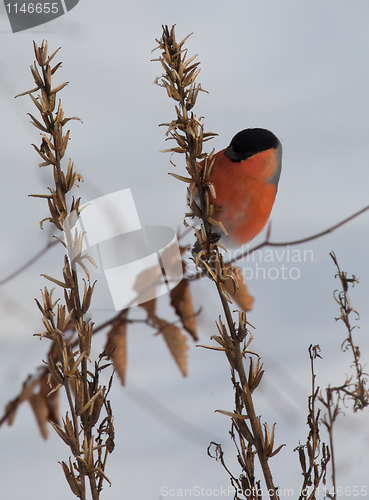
[29, 263]
[267, 242]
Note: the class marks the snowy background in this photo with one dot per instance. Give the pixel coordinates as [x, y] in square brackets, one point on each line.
[299, 69]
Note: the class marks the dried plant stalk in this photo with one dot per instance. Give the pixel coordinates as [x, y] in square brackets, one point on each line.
[313, 471]
[356, 391]
[354, 388]
[90, 442]
[179, 80]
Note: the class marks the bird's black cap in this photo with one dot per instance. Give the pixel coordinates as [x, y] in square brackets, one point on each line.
[250, 141]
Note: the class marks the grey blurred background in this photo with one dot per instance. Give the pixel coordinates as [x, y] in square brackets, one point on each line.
[299, 69]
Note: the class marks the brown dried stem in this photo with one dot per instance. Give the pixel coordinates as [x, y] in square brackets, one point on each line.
[357, 391]
[313, 472]
[179, 79]
[350, 390]
[68, 367]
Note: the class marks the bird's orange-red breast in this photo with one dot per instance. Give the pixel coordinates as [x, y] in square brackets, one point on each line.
[245, 177]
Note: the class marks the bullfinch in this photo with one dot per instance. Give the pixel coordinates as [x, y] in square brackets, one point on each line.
[245, 176]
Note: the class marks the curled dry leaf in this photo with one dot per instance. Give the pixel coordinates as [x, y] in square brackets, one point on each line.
[182, 302]
[241, 296]
[117, 337]
[27, 390]
[41, 411]
[176, 342]
[148, 283]
[51, 400]
[232, 414]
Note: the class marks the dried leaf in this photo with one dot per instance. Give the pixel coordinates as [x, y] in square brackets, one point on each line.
[181, 300]
[71, 478]
[242, 296]
[58, 88]
[91, 401]
[231, 414]
[27, 390]
[27, 92]
[118, 337]
[40, 409]
[49, 59]
[51, 400]
[54, 280]
[176, 342]
[150, 307]
[180, 177]
[302, 458]
[147, 282]
[62, 434]
[277, 450]
[212, 347]
[214, 222]
[37, 124]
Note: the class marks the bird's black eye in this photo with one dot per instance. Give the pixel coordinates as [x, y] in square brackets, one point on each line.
[250, 141]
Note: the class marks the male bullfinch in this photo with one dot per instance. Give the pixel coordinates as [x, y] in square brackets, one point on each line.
[245, 177]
